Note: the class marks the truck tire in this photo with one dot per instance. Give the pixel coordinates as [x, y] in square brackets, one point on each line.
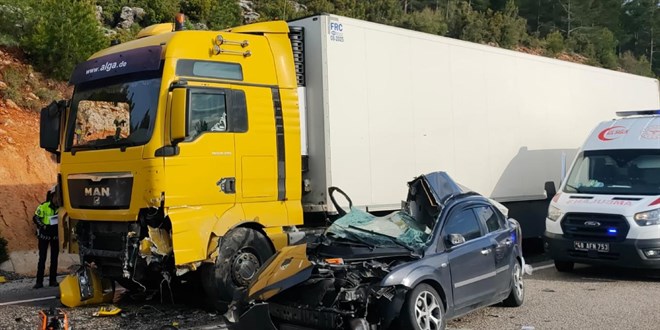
[564, 266]
[423, 309]
[517, 294]
[240, 255]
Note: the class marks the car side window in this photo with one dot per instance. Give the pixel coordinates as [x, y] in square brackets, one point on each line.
[490, 218]
[464, 223]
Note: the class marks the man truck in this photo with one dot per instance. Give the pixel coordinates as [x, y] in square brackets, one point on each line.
[205, 151]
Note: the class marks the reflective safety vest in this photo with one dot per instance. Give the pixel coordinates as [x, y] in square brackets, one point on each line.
[46, 214]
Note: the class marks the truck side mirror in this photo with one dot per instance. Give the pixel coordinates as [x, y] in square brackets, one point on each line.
[49, 126]
[455, 239]
[178, 111]
[550, 189]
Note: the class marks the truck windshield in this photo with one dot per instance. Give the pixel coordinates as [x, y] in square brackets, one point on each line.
[616, 172]
[112, 113]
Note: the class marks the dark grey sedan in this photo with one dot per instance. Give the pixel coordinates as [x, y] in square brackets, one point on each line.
[448, 252]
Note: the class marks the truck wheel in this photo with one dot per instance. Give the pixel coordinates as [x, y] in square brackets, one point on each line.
[564, 266]
[423, 309]
[517, 294]
[240, 255]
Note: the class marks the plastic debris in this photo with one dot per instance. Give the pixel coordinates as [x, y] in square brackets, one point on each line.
[3, 279]
[107, 311]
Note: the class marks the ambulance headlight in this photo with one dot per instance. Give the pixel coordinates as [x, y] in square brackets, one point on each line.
[648, 218]
[554, 213]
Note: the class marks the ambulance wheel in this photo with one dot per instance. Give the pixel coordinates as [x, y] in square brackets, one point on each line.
[240, 255]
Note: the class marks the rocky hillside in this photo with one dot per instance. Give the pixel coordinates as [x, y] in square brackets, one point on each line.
[26, 171]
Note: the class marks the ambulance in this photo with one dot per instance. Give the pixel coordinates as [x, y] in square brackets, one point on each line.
[607, 210]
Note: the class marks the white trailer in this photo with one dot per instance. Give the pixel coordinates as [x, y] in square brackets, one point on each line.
[384, 104]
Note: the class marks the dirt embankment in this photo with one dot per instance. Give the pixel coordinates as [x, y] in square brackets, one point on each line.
[26, 170]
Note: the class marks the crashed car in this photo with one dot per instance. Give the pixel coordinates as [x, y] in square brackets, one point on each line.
[449, 251]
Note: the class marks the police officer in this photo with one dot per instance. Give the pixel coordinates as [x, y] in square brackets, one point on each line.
[45, 217]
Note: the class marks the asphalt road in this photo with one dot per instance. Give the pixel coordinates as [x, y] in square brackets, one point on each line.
[588, 298]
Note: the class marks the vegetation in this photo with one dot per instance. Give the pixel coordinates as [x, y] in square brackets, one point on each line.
[615, 34]
[4, 254]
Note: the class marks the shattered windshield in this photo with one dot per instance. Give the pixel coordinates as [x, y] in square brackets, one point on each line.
[397, 228]
[113, 113]
[621, 172]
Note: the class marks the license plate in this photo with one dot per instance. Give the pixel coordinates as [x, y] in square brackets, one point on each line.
[589, 246]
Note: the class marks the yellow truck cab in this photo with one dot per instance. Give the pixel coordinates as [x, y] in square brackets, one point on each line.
[163, 170]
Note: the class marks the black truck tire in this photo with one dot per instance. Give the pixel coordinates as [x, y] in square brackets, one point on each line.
[240, 255]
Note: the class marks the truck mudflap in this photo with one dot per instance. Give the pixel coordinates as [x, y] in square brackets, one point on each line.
[85, 287]
[257, 316]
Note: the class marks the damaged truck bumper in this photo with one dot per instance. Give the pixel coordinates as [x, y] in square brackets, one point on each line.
[85, 287]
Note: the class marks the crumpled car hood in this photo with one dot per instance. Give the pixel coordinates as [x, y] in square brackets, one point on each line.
[288, 267]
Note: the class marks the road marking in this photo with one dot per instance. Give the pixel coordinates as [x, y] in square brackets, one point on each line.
[26, 300]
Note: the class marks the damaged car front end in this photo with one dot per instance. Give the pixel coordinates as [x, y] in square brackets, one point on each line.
[389, 272]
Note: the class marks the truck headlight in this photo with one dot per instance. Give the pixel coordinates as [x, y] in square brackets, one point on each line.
[554, 213]
[648, 218]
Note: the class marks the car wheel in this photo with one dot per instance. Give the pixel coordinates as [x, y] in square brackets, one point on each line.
[423, 309]
[517, 294]
[564, 266]
[240, 255]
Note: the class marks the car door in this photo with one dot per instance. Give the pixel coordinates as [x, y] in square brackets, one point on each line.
[502, 242]
[471, 263]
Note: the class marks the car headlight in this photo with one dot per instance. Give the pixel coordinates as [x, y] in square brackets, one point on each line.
[648, 218]
[554, 213]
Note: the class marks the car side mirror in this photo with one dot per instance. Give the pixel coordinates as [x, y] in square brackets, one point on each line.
[455, 239]
[178, 110]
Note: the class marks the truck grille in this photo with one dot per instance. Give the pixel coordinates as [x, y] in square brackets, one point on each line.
[107, 191]
[595, 226]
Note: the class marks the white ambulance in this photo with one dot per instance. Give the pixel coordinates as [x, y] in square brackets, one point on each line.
[607, 211]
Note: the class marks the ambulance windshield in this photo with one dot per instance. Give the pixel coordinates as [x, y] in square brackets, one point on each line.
[616, 172]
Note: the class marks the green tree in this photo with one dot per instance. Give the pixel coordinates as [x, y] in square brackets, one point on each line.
[65, 33]
[427, 20]
[629, 63]
[554, 43]
[224, 14]
[507, 29]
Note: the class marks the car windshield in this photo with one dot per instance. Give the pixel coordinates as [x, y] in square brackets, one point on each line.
[113, 113]
[616, 172]
[395, 229]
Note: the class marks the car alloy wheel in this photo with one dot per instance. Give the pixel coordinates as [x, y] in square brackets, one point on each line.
[428, 312]
[518, 286]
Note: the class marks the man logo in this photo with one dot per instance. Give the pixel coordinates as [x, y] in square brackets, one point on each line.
[592, 223]
[100, 192]
[97, 201]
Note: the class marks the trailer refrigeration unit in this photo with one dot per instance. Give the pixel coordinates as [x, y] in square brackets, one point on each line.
[202, 151]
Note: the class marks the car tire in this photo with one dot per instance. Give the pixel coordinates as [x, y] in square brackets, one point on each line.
[240, 255]
[564, 266]
[423, 305]
[517, 295]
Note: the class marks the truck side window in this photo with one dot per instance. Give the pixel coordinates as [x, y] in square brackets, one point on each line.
[464, 223]
[207, 113]
[490, 218]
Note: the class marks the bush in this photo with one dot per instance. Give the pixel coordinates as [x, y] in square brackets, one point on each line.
[4, 253]
[14, 80]
[630, 64]
[554, 43]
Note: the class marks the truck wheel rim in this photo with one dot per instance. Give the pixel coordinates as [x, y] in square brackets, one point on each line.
[427, 311]
[518, 281]
[244, 267]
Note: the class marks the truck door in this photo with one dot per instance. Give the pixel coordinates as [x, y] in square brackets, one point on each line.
[471, 263]
[204, 172]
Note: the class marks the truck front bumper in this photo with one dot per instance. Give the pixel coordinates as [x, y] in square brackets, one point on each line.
[628, 253]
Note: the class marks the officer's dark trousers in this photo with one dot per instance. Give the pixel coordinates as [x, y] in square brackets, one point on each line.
[54, 251]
